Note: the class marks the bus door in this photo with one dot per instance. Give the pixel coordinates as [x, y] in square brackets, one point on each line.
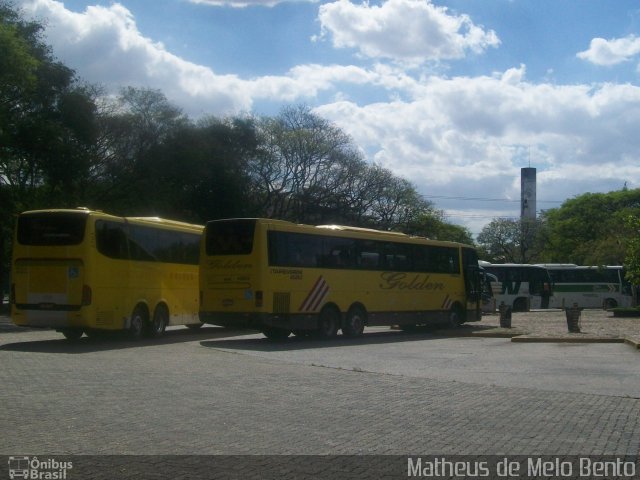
[472, 284]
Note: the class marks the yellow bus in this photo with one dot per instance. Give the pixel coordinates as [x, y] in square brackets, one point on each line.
[280, 277]
[82, 271]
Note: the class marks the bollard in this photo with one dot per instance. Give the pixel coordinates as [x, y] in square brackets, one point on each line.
[573, 318]
[505, 315]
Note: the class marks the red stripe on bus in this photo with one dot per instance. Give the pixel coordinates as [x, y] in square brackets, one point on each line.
[445, 304]
[312, 296]
[322, 292]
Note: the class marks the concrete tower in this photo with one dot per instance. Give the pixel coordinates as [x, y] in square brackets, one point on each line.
[528, 193]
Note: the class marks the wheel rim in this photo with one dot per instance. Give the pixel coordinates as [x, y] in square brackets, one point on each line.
[137, 323]
[455, 318]
[160, 322]
[355, 323]
[328, 324]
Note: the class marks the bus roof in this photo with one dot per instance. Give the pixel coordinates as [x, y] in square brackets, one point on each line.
[484, 263]
[345, 229]
[87, 211]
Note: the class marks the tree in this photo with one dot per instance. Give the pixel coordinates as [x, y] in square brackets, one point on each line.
[632, 261]
[133, 130]
[589, 229]
[46, 119]
[201, 173]
[307, 170]
[298, 164]
[46, 125]
[431, 225]
[512, 241]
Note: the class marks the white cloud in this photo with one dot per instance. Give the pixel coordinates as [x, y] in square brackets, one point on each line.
[611, 52]
[465, 133]
[105, 46]
[468, 135]
[407, 31]
[247, 3]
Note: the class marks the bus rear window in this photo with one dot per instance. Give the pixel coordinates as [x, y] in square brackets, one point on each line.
[51, 229]
[229, 237]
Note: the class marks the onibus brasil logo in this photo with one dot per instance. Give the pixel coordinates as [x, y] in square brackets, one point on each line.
[37, 469]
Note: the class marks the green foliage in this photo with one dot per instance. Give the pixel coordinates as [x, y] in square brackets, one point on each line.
[590, 229]
[513, 241]
[632, 261]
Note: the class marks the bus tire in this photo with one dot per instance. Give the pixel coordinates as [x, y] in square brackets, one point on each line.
[328, 323]
[137, 325]
[520, 305]
[273, 333]
[158, 325]
[610, 303]
[71, 334]
[456, 316]
[355, 322]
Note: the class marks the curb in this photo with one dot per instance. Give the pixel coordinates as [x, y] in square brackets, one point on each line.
[521, 337]
[534, 339]
[633, 343]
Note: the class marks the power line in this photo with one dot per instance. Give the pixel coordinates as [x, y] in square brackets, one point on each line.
[480, 199]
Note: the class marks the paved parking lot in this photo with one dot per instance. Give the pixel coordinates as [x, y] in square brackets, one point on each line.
[219, 392]
[594, 368]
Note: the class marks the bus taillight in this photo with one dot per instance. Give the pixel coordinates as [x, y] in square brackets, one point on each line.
[12, 294]
[259, 298]
[86, 295]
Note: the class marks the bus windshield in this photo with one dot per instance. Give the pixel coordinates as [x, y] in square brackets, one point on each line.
[230, 237]
[52, 228]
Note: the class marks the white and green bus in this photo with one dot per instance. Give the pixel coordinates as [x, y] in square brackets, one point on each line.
[589, 286]
[519, 286]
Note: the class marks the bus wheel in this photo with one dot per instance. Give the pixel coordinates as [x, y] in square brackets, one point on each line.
[455, 317]
[328, 323]
[520, 305]
[273, 333]
[71, 333]
[137, 325]
[354, 323]
[610, 303]
[160, 321]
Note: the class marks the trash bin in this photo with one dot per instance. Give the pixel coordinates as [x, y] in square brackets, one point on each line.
[573, 318]
[505, 315]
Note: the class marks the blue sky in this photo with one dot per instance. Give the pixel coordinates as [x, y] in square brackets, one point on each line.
[455, 95]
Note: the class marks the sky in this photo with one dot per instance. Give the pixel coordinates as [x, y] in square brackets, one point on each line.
[455, 95]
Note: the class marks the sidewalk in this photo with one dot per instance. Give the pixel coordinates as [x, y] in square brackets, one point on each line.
[550, 326]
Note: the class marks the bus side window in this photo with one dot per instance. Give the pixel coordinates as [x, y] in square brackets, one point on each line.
[111, 239]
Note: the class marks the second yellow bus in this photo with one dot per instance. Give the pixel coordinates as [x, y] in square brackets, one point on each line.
[280, 277]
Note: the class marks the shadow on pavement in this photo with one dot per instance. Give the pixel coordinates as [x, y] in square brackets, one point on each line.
[118, 341]
[369, 338]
